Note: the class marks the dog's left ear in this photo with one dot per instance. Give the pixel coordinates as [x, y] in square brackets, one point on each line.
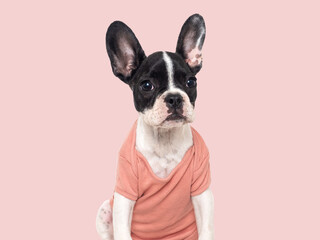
[191, 40]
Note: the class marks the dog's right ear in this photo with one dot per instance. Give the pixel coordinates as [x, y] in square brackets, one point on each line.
[124, 50]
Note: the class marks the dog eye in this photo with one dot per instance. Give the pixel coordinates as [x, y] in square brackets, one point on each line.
[191, 82]
[146, 86]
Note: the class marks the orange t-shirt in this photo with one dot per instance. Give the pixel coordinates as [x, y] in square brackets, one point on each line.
[163, 208]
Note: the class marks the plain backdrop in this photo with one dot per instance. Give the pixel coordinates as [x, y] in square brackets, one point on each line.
[64, 115]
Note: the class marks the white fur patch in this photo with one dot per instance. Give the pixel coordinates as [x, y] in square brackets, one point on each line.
[203, 208]
[104, 223]
[163, 148]
[169, 66]
[122, 216]
[156, 116]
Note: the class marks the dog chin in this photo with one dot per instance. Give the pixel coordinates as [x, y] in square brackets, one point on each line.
[173, 123]
[168, 121]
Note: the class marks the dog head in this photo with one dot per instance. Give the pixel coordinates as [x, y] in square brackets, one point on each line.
[164, 84]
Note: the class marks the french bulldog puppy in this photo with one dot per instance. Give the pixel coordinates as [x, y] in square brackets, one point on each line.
[163, 175]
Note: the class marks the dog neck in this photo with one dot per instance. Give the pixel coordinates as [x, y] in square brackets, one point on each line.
[166, 143]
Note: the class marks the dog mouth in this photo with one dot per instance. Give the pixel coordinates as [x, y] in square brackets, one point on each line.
[175, 117]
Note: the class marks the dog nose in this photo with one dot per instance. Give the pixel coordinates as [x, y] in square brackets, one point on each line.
[174, 101]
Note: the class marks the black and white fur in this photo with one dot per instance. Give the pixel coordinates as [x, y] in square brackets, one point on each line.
[164, 88]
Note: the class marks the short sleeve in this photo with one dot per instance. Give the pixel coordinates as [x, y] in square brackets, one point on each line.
[127, 180]
[201, 178]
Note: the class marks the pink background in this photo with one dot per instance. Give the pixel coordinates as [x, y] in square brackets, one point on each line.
[64, 115]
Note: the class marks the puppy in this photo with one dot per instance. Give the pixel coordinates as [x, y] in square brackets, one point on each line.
[163, 174]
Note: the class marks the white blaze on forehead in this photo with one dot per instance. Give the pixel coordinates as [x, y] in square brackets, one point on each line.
[169, 66]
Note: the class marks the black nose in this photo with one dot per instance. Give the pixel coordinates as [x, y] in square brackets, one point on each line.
[174, 101]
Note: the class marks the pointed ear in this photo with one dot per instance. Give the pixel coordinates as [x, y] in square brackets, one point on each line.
[124, 50]
[190, 41]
